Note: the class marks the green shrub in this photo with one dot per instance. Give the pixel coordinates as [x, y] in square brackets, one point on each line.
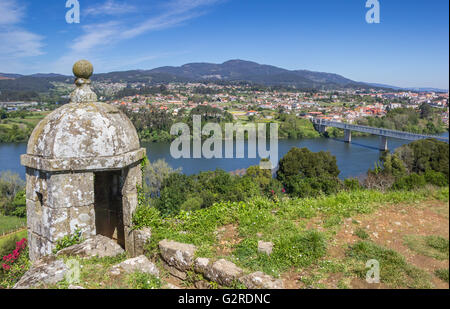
[436, 178]
[19, 205]
[8, 245]
[423, 155]
[146, 216]
[68, 240]
[307, 164]
[192, 203]
[410, 182]
[352, 184]
[298, 186]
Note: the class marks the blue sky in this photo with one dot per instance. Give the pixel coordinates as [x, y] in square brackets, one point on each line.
[408, 48]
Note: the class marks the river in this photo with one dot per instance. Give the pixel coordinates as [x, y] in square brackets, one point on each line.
[353, 159]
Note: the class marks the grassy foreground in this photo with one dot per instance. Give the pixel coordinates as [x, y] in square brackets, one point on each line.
[318, 242]
[304, 232]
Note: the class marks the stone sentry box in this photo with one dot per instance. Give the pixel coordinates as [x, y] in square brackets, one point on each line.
[83, 167]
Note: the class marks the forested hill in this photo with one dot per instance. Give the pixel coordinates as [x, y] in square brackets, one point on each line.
[231, 71]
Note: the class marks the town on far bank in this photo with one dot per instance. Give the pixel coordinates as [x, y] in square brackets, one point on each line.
[242, 102]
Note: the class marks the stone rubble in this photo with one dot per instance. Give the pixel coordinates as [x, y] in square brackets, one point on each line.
[98, 245]
[141, 238]
[260, 280]
[178, 255]
[140, 264]
[222, 271]
[46, 271]
[265, 247]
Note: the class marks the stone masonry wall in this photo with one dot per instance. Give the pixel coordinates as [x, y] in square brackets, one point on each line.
[58, 204]
[133, 178]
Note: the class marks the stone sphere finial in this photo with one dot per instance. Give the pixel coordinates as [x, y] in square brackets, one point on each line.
[83, 69]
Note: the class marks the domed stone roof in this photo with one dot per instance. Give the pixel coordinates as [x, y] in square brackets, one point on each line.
[84, 134]
[83, 130]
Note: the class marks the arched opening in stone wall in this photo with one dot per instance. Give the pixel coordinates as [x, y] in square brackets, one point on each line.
[109, 205]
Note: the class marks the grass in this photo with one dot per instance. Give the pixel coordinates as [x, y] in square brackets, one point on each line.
[280, 222]
[394, 270]
[297, 247]
[9, 224]
[291, 250]
[442, 274]
[435, 247]
[144, 281]
[361, 233]
[17, 237]
[95, 273]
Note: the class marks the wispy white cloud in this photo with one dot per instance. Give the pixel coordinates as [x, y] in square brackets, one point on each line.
[10, 12]
[174, 13]
[96, 37]
[16, 41]
[110, 7]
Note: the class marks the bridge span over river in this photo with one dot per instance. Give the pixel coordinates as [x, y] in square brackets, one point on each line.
[322, 124]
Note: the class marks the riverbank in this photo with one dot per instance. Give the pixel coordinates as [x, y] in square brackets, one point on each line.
[353, 159]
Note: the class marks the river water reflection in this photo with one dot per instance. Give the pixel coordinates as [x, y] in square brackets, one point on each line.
[353, 159]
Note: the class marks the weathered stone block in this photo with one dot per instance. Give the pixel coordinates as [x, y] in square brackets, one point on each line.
[201, 265]
[98, 245]
[133, 178]
[260, 280]
[141, 238]
[223, 272]
[265, 247]
[130, 201]
[38, 246]
[44, 272]
[55, 223]
[140, 264]
[174, 271]
[34, 217]
[129, 240]
[177, 254]
[36, 182]
[82, 218]
[70, 190]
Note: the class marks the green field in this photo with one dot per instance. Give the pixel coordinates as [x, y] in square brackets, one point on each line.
[8, 224]
[18, 235]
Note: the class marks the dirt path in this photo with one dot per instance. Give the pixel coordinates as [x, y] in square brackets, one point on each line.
[390, 224]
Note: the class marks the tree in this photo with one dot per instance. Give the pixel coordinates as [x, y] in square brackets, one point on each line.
[423, 155]
[304, 173]
[10, 185]
[261, 176]
[174, 192]
[425, 110]
[307, 164]
[154, 175]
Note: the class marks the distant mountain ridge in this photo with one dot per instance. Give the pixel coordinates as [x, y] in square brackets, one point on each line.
[240, 70]
[229, 71]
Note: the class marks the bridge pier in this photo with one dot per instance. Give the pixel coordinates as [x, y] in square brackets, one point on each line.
[321, 128]
[383, 143]
[348, 136]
